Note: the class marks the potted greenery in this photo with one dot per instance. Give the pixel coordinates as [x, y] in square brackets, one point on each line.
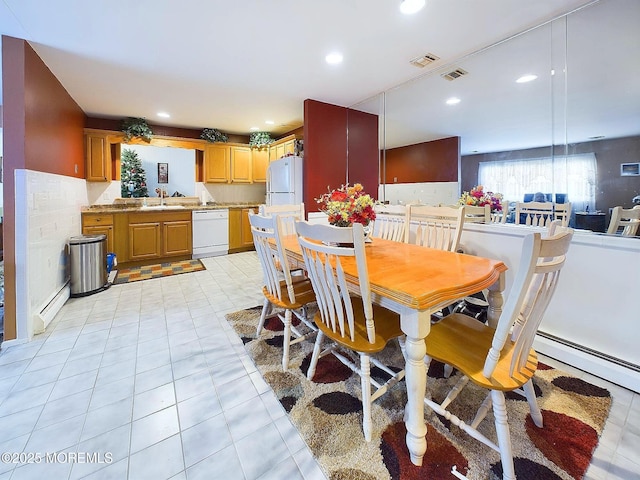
[136, 128]
[260, 139]
[213, 135]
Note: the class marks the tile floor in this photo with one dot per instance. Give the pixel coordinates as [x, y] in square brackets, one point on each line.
[151, 374]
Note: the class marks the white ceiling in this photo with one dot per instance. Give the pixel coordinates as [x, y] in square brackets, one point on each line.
[233, 65]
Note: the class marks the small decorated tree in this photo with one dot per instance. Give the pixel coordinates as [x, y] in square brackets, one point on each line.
[133, 179]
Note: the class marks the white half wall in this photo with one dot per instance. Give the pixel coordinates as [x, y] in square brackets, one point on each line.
[47, 213]
[429, 193]
[592, 320]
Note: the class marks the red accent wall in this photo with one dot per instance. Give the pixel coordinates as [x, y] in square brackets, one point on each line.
[326, 145]
[435, 161]
[43, 131]
[363, 154]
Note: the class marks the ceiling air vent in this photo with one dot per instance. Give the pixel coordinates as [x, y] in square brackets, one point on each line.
[424, 60]
[457, 73]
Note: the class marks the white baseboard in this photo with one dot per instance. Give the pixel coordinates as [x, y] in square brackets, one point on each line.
[626, 377]
[42, 319]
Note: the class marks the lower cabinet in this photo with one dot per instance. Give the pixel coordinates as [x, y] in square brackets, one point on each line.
[176, 238]
[139, 238]
[100, 224]
[240, 237]
[144, 241]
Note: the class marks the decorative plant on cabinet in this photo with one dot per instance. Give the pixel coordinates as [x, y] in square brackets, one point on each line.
[136, 128]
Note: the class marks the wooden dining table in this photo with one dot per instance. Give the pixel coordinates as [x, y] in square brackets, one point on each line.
[415, 282]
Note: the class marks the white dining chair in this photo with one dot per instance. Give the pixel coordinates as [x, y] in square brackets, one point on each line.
[292, 293]
[390, 222]
[352, 323]
[501, 359]
[500, 216]
[434, 227]
[535, 214]
[562, 212]
[477, 214]
[624, 221]
[289, 214]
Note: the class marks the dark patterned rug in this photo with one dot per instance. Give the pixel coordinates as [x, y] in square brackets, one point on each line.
[327, 412]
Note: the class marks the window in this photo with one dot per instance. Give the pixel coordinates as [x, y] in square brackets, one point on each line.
[574, 175]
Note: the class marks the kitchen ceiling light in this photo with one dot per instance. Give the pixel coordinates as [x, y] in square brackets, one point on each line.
[453, 101]
[409, 7]
[334, 58]
[269, 122]
[164, 115]
[526, 78]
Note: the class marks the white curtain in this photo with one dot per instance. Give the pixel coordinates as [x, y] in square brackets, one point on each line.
[574, 175]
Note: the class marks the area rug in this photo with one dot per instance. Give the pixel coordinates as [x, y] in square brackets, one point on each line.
[135, 274]
[328, 414]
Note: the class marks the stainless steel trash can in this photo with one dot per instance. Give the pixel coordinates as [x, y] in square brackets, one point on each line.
[88, 264]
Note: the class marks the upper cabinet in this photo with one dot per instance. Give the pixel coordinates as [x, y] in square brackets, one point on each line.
[259, 164]
[241, 164]
[282, 147]
[216, 163]
[98, 157]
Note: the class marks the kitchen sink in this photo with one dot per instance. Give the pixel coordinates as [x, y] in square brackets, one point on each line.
[162, 207]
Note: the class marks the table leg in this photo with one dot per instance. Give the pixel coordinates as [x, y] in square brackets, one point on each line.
[496, 301]
[416, 326]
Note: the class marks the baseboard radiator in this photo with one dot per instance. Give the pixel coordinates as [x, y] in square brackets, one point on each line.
[44, 317]
[595, 353]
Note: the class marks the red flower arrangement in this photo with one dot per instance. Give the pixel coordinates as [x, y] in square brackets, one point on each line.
[347, 205]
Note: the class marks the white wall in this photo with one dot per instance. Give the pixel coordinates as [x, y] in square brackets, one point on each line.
[429, 193]
[46, 219]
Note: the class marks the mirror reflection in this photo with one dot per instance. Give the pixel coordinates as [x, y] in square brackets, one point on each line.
[579, 116]
[148, 171]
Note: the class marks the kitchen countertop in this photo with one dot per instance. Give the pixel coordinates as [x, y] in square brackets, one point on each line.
[123, 207]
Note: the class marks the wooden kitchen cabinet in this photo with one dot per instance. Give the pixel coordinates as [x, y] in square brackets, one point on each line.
[240, 237]
[260, 162]
[100, 224]
[144, 241]
[216, 163]
[158, 236]
[97, 157]
[282, 147]
[176, 238]
[241, 164]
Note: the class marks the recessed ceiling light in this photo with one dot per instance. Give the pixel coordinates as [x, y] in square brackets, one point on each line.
[334, 58]
[526, 78]
[453, 101]
[164, 115]
[409, 7]
[253, 129]
[269, 122]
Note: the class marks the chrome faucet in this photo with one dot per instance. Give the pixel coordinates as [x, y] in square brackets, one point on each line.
[162, 197]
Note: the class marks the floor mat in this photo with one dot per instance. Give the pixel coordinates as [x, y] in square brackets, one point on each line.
[135, 274]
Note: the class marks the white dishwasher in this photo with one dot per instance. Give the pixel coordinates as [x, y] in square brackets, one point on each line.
[210, 232]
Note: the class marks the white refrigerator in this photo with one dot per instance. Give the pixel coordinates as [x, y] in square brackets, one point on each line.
[284, 181]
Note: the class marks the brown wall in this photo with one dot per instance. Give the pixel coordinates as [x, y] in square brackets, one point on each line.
[43, 131]
[613, 189]
[435, 161]
[325, 147]
[363, 162]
